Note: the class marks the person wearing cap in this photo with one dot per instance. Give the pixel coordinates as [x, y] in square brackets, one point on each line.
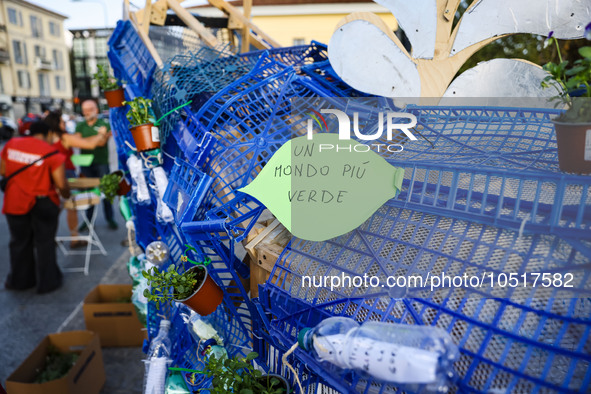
[31, 206]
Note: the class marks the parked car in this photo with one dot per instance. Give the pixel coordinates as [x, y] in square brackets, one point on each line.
[7, 128]
[26, 121]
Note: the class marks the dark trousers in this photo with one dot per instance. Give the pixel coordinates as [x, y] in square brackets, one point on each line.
[33, 259]
[97, 171]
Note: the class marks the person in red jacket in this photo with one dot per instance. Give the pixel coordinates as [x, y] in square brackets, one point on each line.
[31, 206]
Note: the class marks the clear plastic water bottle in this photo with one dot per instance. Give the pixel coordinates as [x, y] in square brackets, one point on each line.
[158, 361]
[161, 345]
[393, 353]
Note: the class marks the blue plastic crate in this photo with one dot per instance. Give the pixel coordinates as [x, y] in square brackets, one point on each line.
[236, 316]
[545, 203]
[185, 135]
[493, 165]
[169, 41]
[130, 59]
[509, 337]
[323, 74]
[232, 319]
[249, 121]
[297, 56]
[186, 76]
[146, 228]
[503, 138]
[124, 142]
[186, 189]
[170, 235]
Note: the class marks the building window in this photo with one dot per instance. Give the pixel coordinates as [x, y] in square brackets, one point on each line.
[39, 51]
[1, 84]
[24, 81]
[20, 52]
[79, 68]
[15, 17]
[79, 47]
[299, 41]
[58, 60]
[100, 46]
[60, 83]
[43, 84]
[36, 27]
[54, 29]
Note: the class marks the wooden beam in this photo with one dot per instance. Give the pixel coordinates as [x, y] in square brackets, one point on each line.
[262, 235]
[146, 40]
[193, 23]
[125, 10]
[260, 36]
[158, 14]
[145, 24]
[247, 6]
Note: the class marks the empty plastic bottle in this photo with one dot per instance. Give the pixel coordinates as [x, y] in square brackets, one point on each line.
[394, 353]
[161, 345]
[159, 358]
[201, 329]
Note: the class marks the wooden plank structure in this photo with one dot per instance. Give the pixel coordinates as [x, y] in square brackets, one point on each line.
[264, 244]
[155, 14]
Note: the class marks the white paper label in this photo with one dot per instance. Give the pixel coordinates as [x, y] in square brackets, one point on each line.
[155, 134]
[588, 146]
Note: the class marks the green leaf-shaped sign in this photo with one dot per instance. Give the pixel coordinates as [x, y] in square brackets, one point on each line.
[324, 187]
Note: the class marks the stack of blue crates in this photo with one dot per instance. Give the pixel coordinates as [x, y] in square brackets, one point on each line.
[482, 194]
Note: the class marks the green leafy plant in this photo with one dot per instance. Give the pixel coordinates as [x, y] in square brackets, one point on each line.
[170, 285]
[139, 111]
[57, 365]
[570, 79]
[238, 375]
[109, 185]
[106, 82]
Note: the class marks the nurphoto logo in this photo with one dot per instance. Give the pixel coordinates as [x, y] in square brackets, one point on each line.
[344, 123]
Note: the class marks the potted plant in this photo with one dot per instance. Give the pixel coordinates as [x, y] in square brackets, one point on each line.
[110, 86]
[238, 375]
[573, 127]
[194, 288]
[143, 131]
[114, 184]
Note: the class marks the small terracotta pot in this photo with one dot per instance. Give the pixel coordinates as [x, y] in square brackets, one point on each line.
[144, 138]
[574, 147]
[207, 297]
[124, 186]
[115, 98]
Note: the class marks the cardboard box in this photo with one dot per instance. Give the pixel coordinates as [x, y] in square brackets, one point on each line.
[87, 376]
[114, 321]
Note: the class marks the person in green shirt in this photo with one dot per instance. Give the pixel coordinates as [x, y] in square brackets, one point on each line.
[90, 126]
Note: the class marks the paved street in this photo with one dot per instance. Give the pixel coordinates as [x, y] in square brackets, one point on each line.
[25, 317]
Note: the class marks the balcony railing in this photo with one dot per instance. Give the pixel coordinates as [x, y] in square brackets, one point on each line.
[43, 64]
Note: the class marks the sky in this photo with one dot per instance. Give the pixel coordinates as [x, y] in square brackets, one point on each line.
[91, 13]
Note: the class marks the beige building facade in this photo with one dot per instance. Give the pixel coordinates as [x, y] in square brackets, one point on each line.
[34, 59]
[297, 22]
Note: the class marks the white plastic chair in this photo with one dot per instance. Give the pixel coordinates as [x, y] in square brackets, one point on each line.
[81, 202]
